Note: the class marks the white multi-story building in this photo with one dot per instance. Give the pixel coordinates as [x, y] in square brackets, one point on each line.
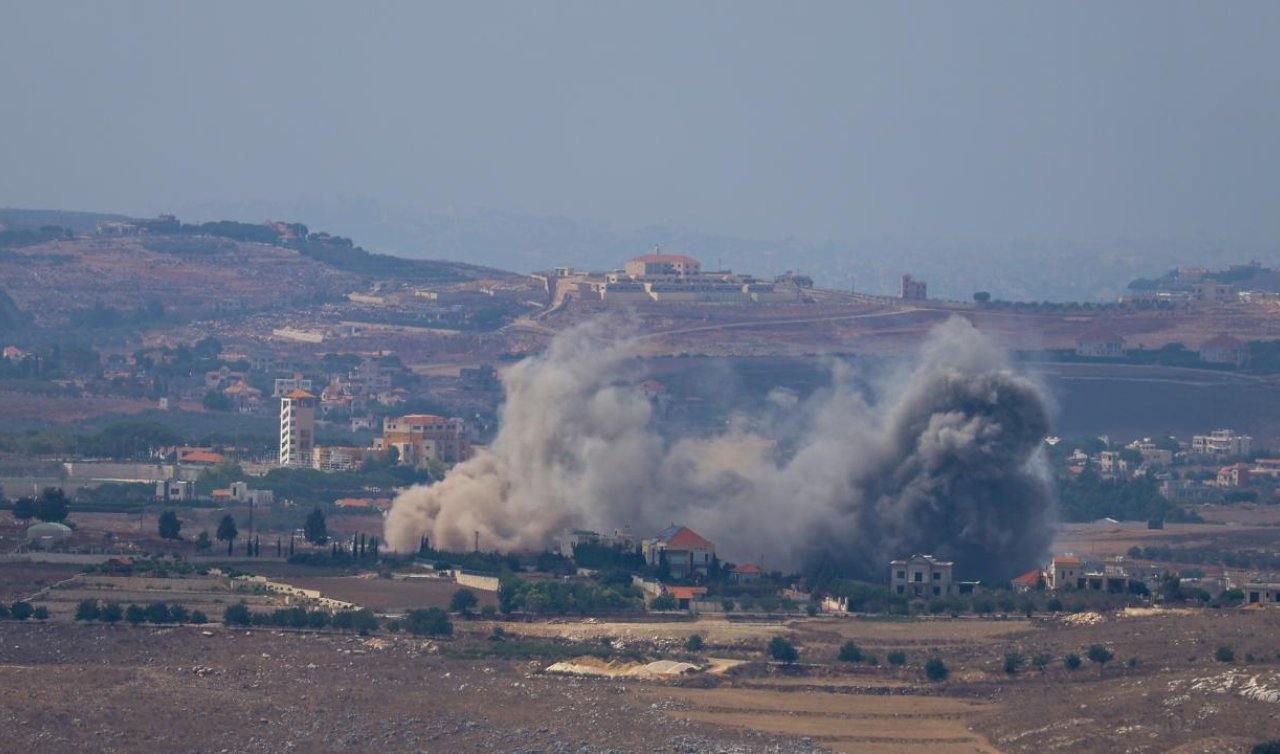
[1222, 442]
[921, 576]
[297, 428]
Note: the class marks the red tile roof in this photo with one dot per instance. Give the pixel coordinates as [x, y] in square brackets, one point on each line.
[298, 395]
[1066, 560]
[688, 539]
[747, 568]
[200, 456]
[686, 592]
[1030, 578]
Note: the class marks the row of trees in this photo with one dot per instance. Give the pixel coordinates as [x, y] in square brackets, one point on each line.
[52, 506]
[558, 597]
[22, 611]
[156, 612]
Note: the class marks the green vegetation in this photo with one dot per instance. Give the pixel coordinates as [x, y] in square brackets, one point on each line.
[430, 622]
[694, 643]
[1225, 654]
[897, 658]
[782, 650]
[1071, 661]
[561, 597]
[849, 652]
[1013, 662]
[315, 530]
[935, 669]
[170, 525]
[1100, 655]
[1089, 497]
[463, 601]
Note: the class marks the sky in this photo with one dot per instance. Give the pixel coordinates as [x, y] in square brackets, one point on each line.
[1044, 122]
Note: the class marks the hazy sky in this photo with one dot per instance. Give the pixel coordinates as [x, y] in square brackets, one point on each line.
[1031, 120]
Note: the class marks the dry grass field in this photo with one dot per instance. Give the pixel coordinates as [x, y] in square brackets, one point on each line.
[389, 595]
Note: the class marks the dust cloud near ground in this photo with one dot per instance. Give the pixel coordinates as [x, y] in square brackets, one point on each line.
[941, 457]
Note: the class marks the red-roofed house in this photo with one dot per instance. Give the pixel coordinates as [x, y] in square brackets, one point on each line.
[746, 573]
[1235, 475]
[685, 595]
[1029, 581]
[685, 551]
[200, 458]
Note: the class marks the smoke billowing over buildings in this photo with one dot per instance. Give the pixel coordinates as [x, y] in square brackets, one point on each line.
[943, 458]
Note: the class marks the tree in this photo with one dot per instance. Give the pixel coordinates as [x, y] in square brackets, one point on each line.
[24, 508]
[1225, 654]
[111, 613]
[215, 401]
[53, 505]
[663, 602]
[199, 618]
[237, 614]
[135, 614]
[935, 669]
[1267, 747]
[897, 657]
[850, 652]
[1071, 661]
[178, 614]
[1101, 655]
[463, 600]
[315, 529]
[1041, 661]
[21, 610]
[981, 297]
[1012, 662]
[87, 610]
[694, 643]
[170, 525]
[782, 650]
[157, 612]
[203, 542]
[430, 622]
[227, 531]
[40, 613]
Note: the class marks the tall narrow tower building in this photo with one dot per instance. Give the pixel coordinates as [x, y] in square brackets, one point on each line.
[297, 428]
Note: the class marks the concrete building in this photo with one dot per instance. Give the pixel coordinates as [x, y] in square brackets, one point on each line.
[921, 576]
[241, 493]
[297, 428]
[662, 264]
[1235, 475]
[687, 553]
[175, 491]
[910, 289]
[419, 438]
[286, 385]
[1222, 442]
[746, 573]
[1224, 349]
[1063, 571]
[1261, 592]
[1100, 343]
[332, 458]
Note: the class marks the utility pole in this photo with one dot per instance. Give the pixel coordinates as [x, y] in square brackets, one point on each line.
[477, 547]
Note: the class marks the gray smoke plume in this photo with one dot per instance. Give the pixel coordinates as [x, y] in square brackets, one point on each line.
[943, 459]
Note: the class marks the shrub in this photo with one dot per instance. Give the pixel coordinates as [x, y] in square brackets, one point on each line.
[664, 602]
[498, 634]
[135, 614]
[1041, 661]
[87, 610]
[935, 669]
[1071, 661]
[430, 622]
[40, 613]
[1054, 605]
[1100, 654]
[237, 615]
[694, 643]
[727, 604]
[1225, 654]
[897, 657]
[111, 613]
[157, 612]
[21, 610]
[1267, 747]
[870, 659]
[1132, 663]
[850, 652]
[199, 618]
[489, 611]
[463, 600]
[4, 612]
[782, 650]
[1012, 662]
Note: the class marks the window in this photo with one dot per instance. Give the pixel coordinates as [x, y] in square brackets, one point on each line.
[902, 574]
[919, 576]
[937, 590]
[937, 575]
[901, 589]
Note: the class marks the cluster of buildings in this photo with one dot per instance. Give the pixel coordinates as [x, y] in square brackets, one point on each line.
[1103, 342]
[415, 439]
[669, 278]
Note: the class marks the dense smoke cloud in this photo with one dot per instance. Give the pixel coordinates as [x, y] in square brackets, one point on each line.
[943, 459]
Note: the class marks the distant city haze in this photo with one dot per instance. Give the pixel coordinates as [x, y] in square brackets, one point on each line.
[985, 145]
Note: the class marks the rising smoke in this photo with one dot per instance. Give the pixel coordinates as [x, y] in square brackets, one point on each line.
[942, 459]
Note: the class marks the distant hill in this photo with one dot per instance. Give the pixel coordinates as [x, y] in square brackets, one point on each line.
[33, 219]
